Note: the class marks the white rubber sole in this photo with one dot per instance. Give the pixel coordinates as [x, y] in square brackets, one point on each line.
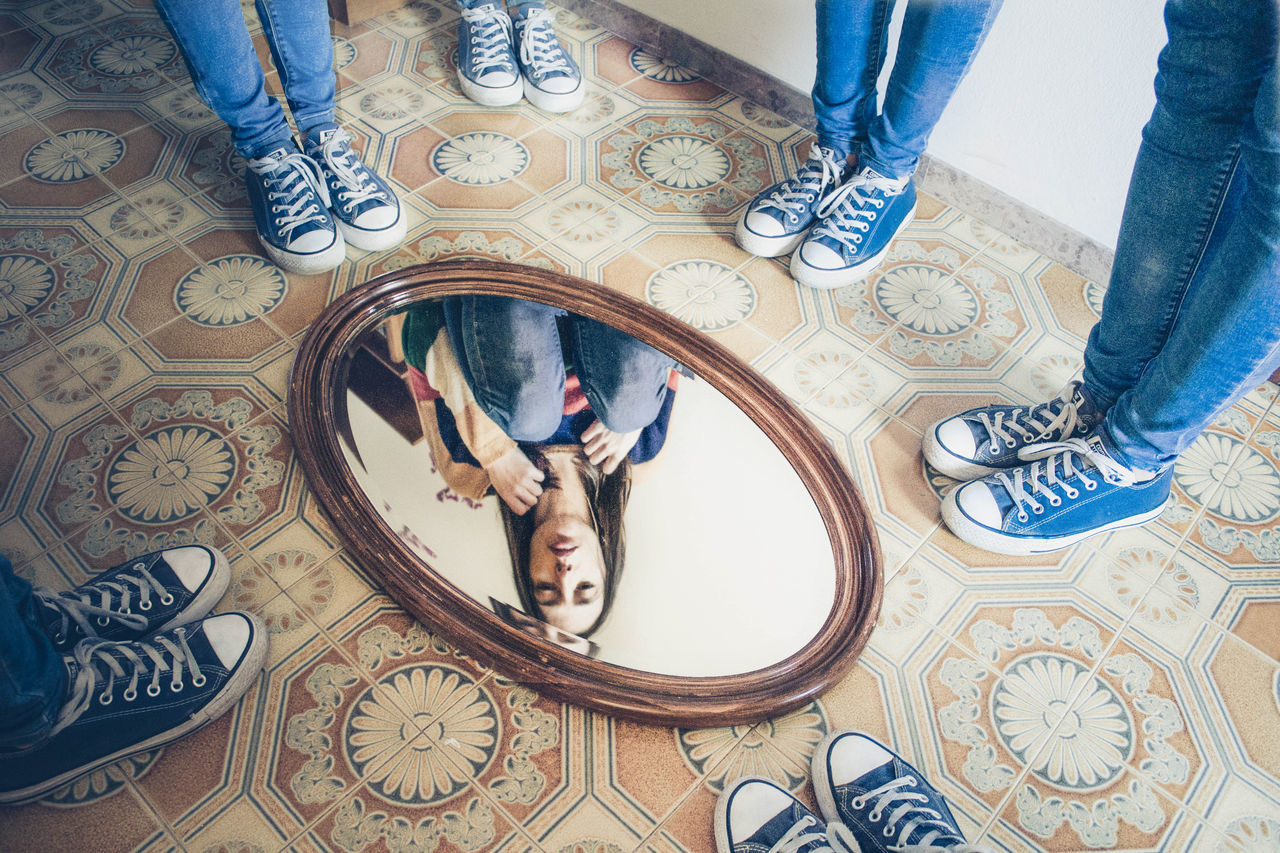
[948, 464]
[247, 671]
[721, 819]
[309, 264]
[215, 586]
[489, 96]
[987, 539]
[762, 246]
[823, 279]
[555, 102]
[823, 790]
[373, 241]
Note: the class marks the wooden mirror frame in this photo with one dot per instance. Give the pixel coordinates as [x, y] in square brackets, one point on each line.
[317, 398]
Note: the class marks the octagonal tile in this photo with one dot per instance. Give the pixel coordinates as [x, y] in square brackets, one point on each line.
[121, 56]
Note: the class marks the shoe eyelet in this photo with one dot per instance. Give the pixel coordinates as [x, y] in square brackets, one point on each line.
[1038, 509]
[1073, 494]
[858, 802]
[153, 690]
[104, 699]
[857, 238]
[181, 630]
[58, 638]
[1022, 516]
[1090, 485]
[198, 681]
[175, 686]
[137, 567]
[887, 832]
[145, 605]
[1055, 501]
[166, 599]
[129, 695]
[102, 621]
[1011, 442]
[126, 611]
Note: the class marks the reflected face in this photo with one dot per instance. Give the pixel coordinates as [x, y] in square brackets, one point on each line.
[566, 566]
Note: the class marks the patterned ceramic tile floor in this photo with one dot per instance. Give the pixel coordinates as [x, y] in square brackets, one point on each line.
[1124, 693]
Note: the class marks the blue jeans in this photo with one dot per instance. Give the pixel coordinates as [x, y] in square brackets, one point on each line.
[1191, 319]
[228, 76]
[33, 679]
[512, 359]
[938, 43]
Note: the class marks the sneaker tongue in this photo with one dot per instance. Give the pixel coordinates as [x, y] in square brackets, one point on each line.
[325, 135]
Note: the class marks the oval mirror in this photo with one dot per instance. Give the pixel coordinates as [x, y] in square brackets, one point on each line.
[597, 500]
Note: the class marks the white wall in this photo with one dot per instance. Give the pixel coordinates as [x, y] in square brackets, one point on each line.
[1050, 114]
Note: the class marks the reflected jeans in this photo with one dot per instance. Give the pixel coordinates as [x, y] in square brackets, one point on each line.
[1191, 319]
[228, 76]
[33, 679]
[939, 41]
[511, 356]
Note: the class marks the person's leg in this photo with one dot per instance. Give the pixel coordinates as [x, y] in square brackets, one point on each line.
[297, 33]
[510, 355]
[853, 37]
[226, 73]
[33, 678]
[624, 380]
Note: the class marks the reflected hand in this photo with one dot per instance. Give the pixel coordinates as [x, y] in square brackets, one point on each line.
[606, 448]
[516, 480]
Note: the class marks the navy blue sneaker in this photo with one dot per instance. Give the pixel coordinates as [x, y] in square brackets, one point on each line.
[487, 70]
[756, 815]
[129, 697]
[1074, 489]
[363, 204]
[982, 441]
[859, 221]
[552, 80]
[291, 210]
[136, 599]
[882, 801]
[777, 219]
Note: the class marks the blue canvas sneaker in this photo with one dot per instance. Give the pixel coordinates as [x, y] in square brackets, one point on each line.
[487, 70]
[1074, 489]
[364, 206]
[552, 80]
[777, 219]
[136, 599]
[858, 222]
[985, 440]
[881, 800]
[291, 210]
[127, 697]
[755, 815]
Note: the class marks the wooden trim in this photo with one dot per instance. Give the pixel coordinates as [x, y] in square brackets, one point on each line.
[316, 400]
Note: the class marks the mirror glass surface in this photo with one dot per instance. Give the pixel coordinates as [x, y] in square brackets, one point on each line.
[725, 564]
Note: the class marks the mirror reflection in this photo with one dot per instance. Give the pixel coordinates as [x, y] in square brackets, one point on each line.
[584, 487]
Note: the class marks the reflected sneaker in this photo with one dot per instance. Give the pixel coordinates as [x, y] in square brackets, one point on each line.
[364, 206]
[1074, 489]
[985, 440]
[859, 221]
[755, 815]
[487, 69]
[129, 697]
[882, 801]
[136, 599]
[291, 210]
[552, 80]
[777, 219]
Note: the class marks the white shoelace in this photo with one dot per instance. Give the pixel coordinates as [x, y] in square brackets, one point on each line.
[140, 583]
[1056, 463]
[908, 816]
[292, 179]
[819, 172]
[491, 40]
[540, 50]
[836, 839]
[847, 213]
[1035, 423]
[99, 660]
[357, 184]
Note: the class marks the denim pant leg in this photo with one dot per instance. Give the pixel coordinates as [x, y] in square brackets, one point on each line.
[939, 40]
[853, 37]
[624, 380]
[297, 32]
[33, 679]
[509, 351]
[226, 72]
[1191, 319]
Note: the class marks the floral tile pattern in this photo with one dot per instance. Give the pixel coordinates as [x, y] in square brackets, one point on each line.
[1121, 694]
